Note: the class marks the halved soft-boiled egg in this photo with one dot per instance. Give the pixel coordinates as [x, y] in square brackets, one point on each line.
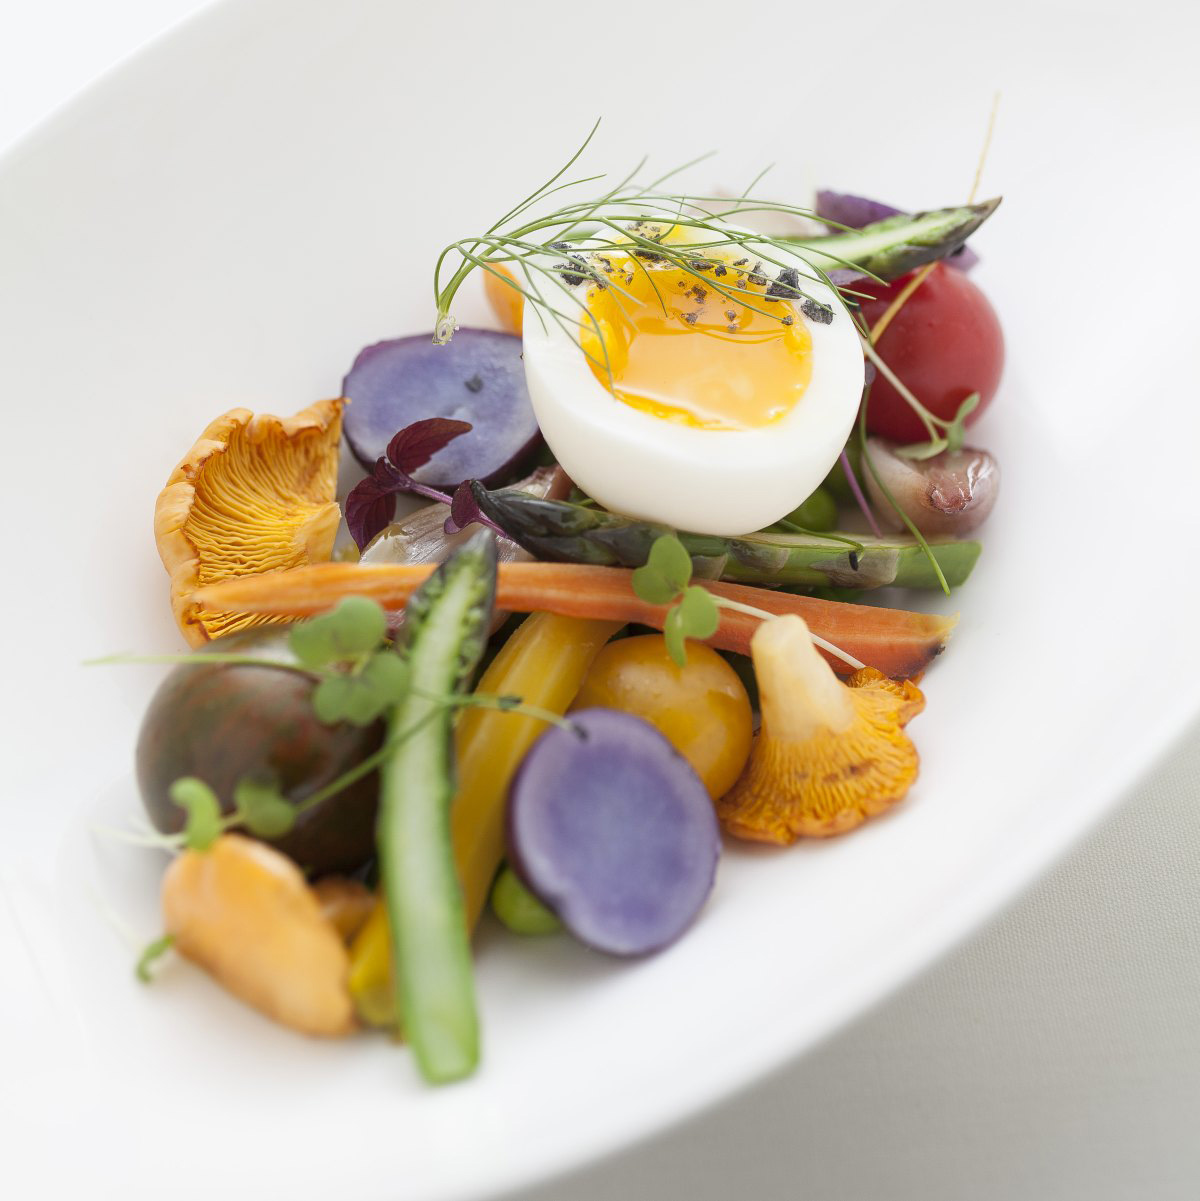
[709, 394]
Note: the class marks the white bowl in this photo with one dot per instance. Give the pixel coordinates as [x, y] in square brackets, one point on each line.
[228, 219]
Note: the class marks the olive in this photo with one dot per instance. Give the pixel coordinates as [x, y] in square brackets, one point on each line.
[222, 722]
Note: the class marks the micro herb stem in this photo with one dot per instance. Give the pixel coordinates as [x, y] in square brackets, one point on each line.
[890, 312]
[859, 495]
[887, 492]
[762, 614]
[199, 658]
[363, 767]
[820, 535]
[928, 419]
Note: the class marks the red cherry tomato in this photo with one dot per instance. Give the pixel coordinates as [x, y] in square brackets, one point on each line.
[944, 344]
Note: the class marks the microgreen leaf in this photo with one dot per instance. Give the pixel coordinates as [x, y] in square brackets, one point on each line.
[150, 955]
[360, 697]
[262, 807]
[919, 451]
[388, 676]
[349, 699]
[666, 573]
[355, 627]
[956, 431]
[203, 825]
[698, 613]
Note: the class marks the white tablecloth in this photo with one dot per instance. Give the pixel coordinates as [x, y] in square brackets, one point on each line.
[1054, 1057]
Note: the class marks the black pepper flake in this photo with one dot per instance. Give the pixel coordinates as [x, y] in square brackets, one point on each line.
[822, 314]
[785, 286]
[651, 256]
[571, 275]
[740, 262]
[692, 317]
[756, 276]
[720, 269]
[700, 265]
[474, 384]
[853, 557]
[788, 320]
[731, 314]
[700, 292]
[560, 246]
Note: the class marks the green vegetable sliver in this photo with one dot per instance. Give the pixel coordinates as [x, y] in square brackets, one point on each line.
[430, 942]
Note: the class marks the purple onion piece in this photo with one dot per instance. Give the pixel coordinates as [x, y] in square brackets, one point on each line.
[845, 208]
[478, 377]
[948, 495]
[611, 828]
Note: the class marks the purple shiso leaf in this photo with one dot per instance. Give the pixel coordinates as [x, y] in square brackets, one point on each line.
[610, 827]
[464, 509]
[369, 509]
[416, 444]
[371, 503]
[844, 208]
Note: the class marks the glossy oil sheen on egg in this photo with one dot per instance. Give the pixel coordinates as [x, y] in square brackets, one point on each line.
[698, 410]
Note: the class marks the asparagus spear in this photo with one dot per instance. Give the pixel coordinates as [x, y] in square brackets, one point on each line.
[446, 625]
[570, 533]
[896, 245]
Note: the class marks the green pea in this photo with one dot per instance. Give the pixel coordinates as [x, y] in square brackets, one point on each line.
[819, 512]
[518, 908]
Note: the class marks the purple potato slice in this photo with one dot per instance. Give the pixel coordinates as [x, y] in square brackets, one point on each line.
[477, 377]
[610, 827]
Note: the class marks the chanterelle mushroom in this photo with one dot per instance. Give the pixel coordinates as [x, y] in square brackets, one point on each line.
[829, 754]
[254, 494]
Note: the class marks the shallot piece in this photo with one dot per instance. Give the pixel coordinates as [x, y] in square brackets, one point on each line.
[948, 494]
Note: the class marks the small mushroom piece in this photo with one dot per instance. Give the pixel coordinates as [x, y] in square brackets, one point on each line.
[243, 912]
[255, 493]
[345, 902]
[829, 754]
[948, 494]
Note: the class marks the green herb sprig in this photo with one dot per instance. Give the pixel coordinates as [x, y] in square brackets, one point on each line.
[665, 579]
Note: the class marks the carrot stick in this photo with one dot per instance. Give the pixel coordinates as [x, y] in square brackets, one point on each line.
[897, 642]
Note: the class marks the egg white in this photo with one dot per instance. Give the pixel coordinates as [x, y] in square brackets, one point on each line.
[725, 482]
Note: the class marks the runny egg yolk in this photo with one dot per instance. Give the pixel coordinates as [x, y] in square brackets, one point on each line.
[679, 349]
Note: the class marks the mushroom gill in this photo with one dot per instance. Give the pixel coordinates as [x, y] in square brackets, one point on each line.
[254, 494]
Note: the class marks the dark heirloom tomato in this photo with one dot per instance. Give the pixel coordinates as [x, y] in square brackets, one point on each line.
[944, 344]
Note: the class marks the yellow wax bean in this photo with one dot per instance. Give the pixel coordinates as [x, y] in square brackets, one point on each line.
[543, 663]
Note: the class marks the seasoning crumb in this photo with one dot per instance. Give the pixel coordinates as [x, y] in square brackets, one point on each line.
[786, 285]
[474, 384]
[822, 314]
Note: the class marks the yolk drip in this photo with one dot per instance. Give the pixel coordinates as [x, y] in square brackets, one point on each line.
[707, 361]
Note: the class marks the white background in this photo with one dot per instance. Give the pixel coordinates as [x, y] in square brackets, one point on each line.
[1055, 1056]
